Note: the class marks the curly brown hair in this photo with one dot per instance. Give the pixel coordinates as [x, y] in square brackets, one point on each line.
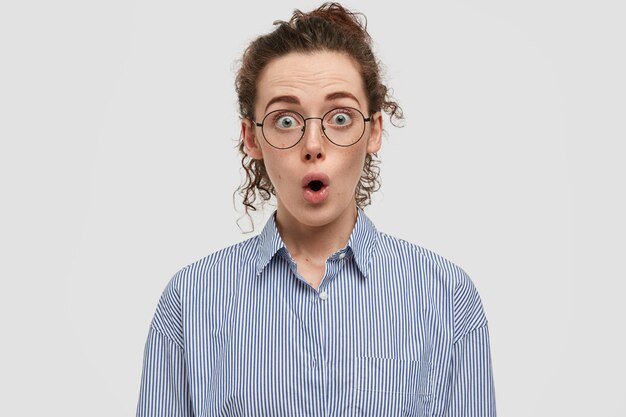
[331, 27]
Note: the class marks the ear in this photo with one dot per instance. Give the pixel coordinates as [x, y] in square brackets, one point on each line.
[376, 134]
[251, 145]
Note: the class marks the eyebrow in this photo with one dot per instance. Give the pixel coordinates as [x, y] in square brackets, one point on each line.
[295, 100]
[283, 99]
[342, 94]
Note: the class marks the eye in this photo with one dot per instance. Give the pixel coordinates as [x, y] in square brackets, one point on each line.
[286, 121]
[341, 118]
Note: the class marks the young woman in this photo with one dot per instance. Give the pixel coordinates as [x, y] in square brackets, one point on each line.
[320, 314]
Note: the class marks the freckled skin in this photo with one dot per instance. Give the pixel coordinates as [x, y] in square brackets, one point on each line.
[310, 78]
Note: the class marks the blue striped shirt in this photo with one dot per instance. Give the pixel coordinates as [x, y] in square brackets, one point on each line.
[392, 330]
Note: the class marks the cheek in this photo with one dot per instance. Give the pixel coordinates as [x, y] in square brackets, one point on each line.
[356, 163]
[277, 169]
[353, 168]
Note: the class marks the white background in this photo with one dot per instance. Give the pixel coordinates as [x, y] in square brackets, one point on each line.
[118, 123]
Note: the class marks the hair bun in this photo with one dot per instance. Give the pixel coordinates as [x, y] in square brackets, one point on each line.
[353, 24]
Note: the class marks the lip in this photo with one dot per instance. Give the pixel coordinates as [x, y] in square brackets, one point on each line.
[315, 197]
[315, 176]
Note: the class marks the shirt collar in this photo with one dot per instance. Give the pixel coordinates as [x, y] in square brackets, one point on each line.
[270, 243]
[361, 243]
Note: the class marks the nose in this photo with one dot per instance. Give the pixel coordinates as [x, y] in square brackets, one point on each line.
[313, 139]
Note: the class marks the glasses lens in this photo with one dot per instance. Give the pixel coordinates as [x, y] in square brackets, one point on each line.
[283, 128]
[344, 126]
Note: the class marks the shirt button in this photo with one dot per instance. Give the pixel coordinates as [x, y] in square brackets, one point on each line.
[323, 295]
[342, 255]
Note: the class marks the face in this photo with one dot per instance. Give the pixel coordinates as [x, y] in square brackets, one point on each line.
[315, 180]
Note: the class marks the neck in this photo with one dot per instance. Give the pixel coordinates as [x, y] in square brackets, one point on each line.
[315, 241]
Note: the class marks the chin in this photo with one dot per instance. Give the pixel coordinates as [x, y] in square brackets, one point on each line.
[318, 215]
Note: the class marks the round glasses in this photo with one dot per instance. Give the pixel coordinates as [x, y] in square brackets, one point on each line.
[343, 126]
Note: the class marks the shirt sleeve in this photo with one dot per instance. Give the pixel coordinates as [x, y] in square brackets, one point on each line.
[471, 389]
[472, 378]
[164, 390]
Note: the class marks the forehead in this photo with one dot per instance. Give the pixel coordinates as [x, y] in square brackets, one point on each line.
[313, 78]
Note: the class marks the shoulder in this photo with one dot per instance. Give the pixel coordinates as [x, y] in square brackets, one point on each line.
[218, 267]
[206, 285]
[444, 280]
[414, 256]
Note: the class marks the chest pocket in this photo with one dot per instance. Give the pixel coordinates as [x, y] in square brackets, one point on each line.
[390, 387]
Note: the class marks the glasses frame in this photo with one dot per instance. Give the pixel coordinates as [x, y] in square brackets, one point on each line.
[321, 119]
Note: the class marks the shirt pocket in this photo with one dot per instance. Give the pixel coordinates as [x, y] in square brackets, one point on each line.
[390, 387]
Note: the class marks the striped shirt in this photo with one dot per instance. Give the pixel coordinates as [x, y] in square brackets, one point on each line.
[392, 330]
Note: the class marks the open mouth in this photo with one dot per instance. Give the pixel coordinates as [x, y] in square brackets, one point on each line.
[315, 185]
